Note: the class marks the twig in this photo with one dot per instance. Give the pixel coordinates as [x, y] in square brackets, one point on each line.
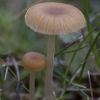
[81, 86]
[90, 85]
[7, 65]
[95, 74]
[84, 88]
[10, 64]
[73, 89]
[1, 62]
[19, 83]
[16, 67]
[94, 17]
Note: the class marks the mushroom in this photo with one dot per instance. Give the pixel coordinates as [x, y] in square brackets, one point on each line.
[52, 18]
[33, 61]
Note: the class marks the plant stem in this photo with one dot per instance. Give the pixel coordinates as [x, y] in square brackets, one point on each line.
[49, 93]
[91, 41]
[89, 29]
[32, 85]
[71, 61]
[87, 55]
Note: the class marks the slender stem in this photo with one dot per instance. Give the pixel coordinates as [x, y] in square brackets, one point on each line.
[89, 29]
[32, 85]
[87, 55]
[50, 95]
[91, 90]
[16, 67]
[66, 72]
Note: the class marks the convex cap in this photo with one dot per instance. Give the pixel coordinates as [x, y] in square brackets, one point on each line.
[34, 61]
[54, 18]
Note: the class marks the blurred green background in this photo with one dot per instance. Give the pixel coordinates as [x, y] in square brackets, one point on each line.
[16, 39]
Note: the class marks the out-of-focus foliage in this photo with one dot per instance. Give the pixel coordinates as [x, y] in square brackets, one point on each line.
[16, 39]
[95, 5]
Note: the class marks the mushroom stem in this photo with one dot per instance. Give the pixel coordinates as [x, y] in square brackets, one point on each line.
[32, 85]
[49, 93]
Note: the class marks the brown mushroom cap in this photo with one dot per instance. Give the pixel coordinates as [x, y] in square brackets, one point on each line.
[34, 61]
[54, 18]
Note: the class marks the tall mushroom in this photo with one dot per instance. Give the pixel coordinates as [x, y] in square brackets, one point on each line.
[53, 18]
[33, 61]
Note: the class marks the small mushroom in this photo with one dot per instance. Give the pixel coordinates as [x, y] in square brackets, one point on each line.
[52, 18]
[33, 61]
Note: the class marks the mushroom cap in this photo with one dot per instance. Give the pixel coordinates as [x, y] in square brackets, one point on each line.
[54, 18]
[34, 61]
